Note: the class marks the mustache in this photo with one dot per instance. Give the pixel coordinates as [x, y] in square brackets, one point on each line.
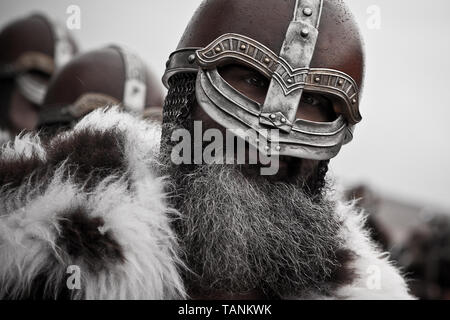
[241, 233]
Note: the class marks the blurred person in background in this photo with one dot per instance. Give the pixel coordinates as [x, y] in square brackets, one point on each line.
[417, 238]
[104, 77]
[32, 49]
[425, 258]
[369, 201]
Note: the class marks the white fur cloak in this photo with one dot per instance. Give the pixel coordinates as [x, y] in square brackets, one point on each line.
[88, 203]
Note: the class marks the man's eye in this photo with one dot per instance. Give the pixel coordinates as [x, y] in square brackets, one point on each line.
[256, 82]
[309, 100]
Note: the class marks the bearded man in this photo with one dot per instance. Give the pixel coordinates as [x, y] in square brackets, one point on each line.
[93, 197]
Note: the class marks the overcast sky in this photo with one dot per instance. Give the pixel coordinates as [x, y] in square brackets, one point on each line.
[400, 149]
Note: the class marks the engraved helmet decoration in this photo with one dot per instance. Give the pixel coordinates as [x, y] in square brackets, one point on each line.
[303, 46]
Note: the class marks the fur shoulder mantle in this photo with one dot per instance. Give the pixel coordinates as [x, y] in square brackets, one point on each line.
[87, 204]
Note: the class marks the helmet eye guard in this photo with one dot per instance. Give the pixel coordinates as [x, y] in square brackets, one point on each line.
[250, 82]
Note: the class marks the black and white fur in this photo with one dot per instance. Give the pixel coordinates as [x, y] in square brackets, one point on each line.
[90, 198]
[87, 198]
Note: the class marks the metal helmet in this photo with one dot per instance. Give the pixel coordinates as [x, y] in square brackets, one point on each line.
[34, 44]
[108, 76]
[300, 46]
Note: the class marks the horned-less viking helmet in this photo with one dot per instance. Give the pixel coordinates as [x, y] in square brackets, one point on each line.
[300, 46]
[31, 46]
[104, 77]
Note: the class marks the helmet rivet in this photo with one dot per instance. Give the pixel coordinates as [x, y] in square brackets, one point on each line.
[278, 148]
[354, 101]
[307, 12]
[317, 79]
[289, 81]
[283, 120]
[191, 58]
[218, 49]
[273, 116]
[341, 82]
[304, 33]
[266, 60]
[243, 47]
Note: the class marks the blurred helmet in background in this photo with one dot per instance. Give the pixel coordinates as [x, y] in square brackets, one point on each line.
[103, 77]
[425, 258]
[31, 50]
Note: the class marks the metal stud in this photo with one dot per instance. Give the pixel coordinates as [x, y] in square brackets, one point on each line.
[266, 60]
[243, 47]
[283, 120]
[304, 33]
[341, 82]
[307, 12]
[289, 81]
[267, 148]
[278, 148]
[218, 49]
[191, 58]
[273, 116]
[354, 101]
[317, 79]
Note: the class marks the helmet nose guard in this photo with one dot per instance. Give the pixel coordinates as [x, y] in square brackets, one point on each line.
[281, 104]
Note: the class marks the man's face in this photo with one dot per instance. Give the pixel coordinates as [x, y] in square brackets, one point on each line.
[251, 83]
[241, 234]
[20, 112]
[23, 114]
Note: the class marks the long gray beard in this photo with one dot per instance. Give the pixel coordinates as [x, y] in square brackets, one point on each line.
[240, 234]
